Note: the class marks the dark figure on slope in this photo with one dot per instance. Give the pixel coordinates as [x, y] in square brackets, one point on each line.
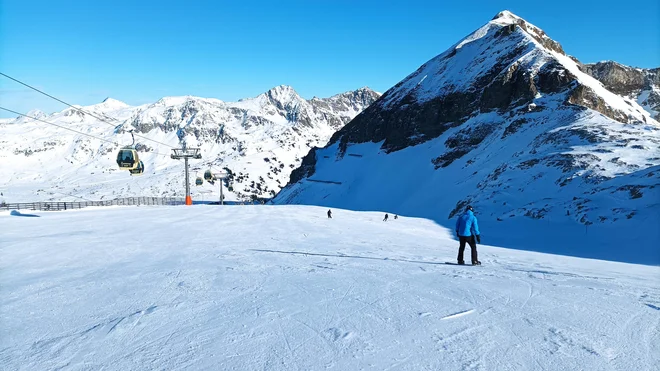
[329, 214]
[386, 216]
[396, 217]
[467, 230]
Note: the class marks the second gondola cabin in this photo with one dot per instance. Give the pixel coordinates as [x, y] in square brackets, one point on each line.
[138, 170]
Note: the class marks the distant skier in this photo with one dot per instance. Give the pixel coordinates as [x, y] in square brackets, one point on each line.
[329, 214]
[467, 230]
[386, 216]
[396, 217]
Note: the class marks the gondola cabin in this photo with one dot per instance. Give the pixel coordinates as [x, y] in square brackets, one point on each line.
[199, 181]
[208, 175]
[128, 159]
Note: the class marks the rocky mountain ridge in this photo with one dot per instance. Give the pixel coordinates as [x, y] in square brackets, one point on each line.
[641, 85]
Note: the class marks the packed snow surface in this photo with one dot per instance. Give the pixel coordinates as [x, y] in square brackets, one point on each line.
[196, 288]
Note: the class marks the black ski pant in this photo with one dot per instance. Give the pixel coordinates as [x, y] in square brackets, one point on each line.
[461, 248]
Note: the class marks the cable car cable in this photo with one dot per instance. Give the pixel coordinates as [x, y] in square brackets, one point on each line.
[49, 96]
[69, 129]
[59, 126]
[79, 109]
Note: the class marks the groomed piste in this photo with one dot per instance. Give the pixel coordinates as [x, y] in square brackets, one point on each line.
[286, 288]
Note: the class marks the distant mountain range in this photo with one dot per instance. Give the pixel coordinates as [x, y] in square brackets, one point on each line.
[257, 140]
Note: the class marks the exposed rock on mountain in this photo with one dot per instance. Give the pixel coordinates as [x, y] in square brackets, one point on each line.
[642, 85]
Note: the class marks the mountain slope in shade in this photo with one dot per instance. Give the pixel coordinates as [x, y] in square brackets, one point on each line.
[258, 141]
[506, 121]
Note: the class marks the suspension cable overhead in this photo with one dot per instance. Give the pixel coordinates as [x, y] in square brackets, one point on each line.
[49, 96]
[69, 129]
[59, 126]
[78, 109]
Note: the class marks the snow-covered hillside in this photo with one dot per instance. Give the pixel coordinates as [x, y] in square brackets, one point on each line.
[259, 140]
[306, 293]
[505, 121]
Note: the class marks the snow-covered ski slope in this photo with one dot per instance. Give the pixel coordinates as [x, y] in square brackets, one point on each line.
[285, 288]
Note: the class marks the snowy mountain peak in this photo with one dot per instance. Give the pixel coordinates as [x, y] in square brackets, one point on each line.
[115, 102]
[365, 89]
[282, 94]
[514, 23]
[110, 104]
[506, 63]
[174, 101]
[506, 16]
[37, 114]
[281, 89]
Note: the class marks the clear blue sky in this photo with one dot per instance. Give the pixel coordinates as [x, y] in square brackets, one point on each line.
[139, 51]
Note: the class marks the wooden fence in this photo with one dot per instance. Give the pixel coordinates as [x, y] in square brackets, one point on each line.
[56, 206]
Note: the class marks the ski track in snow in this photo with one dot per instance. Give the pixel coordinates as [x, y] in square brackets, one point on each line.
[458, 314]
[284, 288]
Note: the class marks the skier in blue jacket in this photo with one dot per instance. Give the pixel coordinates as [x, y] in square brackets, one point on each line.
[467, 230]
